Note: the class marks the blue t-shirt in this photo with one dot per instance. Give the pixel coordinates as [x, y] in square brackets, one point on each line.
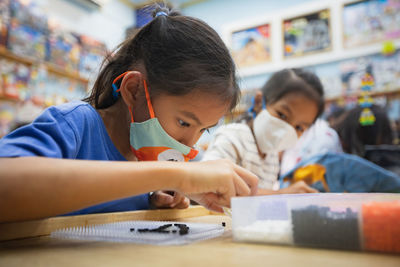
[70, 131]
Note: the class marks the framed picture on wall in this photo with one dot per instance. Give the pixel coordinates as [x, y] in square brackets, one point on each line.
[370, 21]
[307, 34]
[251, 46]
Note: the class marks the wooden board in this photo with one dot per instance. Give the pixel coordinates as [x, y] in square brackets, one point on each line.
[10, 231]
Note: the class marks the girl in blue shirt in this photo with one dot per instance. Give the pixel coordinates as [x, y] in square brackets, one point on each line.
[152, 100]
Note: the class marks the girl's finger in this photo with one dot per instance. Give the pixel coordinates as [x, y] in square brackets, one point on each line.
[163, 199]
[214, 202]
[183, 204]
[177, 198]
[311, 190]
[241, 187]
[250, 178]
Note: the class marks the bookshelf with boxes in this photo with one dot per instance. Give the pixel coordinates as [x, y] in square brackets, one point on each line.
[41, 64]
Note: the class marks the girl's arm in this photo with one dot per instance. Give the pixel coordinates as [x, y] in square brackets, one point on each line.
[36, 187]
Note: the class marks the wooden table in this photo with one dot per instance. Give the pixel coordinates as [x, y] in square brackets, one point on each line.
[41, 250]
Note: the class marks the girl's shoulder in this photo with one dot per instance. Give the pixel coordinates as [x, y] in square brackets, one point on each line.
[234, 126]
[78, 116]
[237, 134]
[234, 129]
[78, 107]
[75, 113]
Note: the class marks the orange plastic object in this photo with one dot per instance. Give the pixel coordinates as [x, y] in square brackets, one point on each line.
[381, 226]
[311, 174]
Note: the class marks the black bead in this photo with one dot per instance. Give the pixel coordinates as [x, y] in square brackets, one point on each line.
[320, 227]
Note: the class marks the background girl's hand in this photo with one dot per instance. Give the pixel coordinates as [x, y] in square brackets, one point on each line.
[169, 199]
[299, 187]
[214, 183]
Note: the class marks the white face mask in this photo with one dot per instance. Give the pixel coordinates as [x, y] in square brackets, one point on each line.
[273, 134]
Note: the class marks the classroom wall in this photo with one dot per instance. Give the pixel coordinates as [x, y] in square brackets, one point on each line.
[218, 13]
[226, 16]
[109, 23]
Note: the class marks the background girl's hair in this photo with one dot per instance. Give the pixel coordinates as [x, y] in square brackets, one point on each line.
[355, 136]
[180, 54]
[297, 81]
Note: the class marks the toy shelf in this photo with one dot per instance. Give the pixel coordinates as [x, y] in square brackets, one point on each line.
[4, 52]
[372, 94]
[329, 100]
[10, 99]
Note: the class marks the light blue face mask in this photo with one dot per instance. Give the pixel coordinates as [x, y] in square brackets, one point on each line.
[150, 142]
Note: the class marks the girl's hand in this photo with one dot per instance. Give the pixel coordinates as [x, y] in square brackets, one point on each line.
[214, 183]
[208, 200]
[299, 187]
[169, 199]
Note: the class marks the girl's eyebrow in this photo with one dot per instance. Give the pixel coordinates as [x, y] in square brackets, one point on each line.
[192, 116]
[287, 108]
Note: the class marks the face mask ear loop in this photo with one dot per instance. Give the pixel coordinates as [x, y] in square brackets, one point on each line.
[116, 90]
[130, 111]
[151, 111]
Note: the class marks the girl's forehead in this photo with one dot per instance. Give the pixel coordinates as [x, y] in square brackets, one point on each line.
[293, 96]
[197, 99]
[206, 106]
[295, 99]
[300, 106]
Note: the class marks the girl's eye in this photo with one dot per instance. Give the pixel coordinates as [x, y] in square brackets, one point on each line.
[299, 128]
[183, 123]
[281, 115]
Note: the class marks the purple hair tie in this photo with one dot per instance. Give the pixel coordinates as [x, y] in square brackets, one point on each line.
[161, 13]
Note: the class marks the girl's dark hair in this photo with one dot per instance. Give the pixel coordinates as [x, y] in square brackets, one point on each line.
[297, 81]
[180, 54]
[355, 136]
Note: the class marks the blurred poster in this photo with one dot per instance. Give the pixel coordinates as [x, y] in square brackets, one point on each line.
[370, 21]
[252, 46]
[307, 34]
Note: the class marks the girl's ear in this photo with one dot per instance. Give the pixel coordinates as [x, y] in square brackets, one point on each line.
[131, 87]
[258, 102]
[258, 98]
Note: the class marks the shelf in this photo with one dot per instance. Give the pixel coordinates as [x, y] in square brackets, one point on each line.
[237, 112]
[10, 99]
[62, 72]
[4, 52]
[373, 94]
